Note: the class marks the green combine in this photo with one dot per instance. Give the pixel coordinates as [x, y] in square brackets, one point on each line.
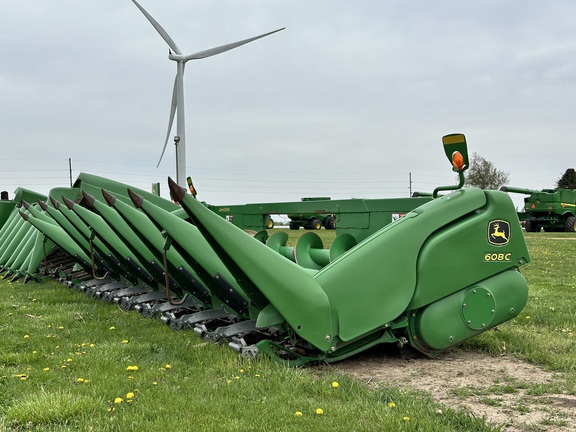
[552, 210]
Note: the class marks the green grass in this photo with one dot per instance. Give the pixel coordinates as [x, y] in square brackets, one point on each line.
[64, 360]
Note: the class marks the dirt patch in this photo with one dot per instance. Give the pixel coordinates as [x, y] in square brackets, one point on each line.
[496, 388]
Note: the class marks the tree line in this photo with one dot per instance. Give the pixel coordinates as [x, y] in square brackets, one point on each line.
[483, 174]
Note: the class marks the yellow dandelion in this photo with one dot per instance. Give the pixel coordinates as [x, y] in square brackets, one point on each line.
[391, 404]
[228, 381]
[112, 328]
[154, 382]
[125, 341]
[335, 384]
[298, 413]
[80, 380]
[63, 367]
[528, 317]
[241, 370]
[406, 418]
[118, 400]
[130, 395]
[257, 375]
[168, 366]
[60, 327]
[46, 369]
[236, 377]
[132, 368]
[111, 409]
[69, 360]
[26, 336]
[319, 411]
[34, 352]
[91, 345]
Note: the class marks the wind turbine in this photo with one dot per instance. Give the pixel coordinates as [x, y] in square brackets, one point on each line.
[178, 92]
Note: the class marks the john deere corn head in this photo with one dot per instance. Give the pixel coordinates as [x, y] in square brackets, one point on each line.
[443, 273]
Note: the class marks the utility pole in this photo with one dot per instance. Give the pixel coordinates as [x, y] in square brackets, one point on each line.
[410, 183]
[70, 170]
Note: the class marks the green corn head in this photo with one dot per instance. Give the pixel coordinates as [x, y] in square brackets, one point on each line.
[443, 273]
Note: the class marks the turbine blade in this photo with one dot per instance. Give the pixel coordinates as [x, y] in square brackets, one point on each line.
[159, 29]
[173, 107]
[219, 50]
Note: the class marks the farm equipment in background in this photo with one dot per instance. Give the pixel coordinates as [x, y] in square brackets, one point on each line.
[357, 217]
[445, 272]
[552, 210]
[313, 221]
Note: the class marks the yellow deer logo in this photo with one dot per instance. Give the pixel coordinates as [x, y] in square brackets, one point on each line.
[498, 232]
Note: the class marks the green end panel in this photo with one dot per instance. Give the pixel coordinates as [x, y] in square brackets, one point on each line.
[292, 291]
[373, 283]
[481, 244]
[468, 312]
[453, 143]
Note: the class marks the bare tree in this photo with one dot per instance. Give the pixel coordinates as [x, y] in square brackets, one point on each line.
[484, 175]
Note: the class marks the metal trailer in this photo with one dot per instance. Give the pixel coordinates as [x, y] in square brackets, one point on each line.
[357, 217]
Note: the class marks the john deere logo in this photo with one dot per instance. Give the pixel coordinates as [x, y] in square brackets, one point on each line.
[498, 232]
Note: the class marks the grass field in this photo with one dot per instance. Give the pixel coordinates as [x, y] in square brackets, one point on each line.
[70, 362]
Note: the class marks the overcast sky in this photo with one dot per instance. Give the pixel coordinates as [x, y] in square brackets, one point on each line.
[349, 101]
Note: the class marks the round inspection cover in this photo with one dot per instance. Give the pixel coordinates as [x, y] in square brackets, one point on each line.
[478, 308]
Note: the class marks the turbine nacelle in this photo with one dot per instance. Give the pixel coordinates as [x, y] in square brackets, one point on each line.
[177, 57]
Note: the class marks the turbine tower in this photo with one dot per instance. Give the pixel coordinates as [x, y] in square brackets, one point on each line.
[178, 92]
